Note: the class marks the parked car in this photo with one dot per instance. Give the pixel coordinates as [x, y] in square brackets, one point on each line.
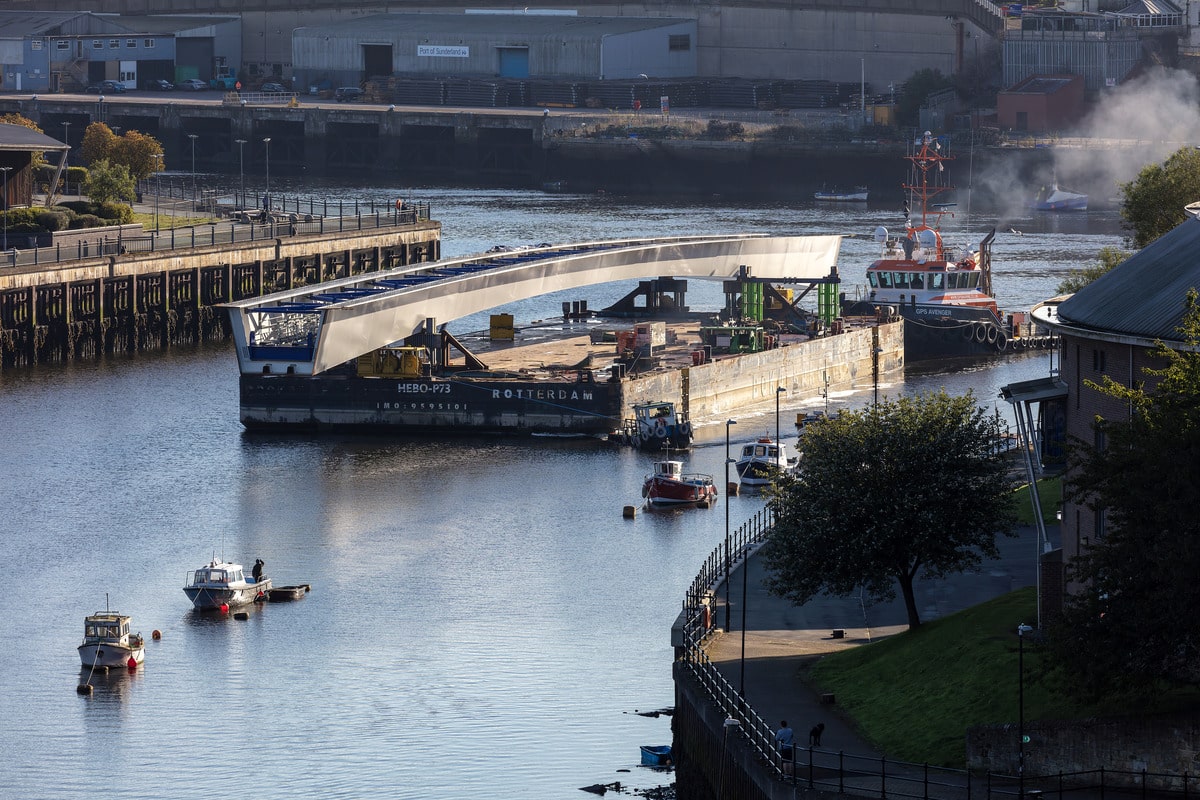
[345, 94]
[158, 85]
[107, 87]
[274, 88]
[192, 85]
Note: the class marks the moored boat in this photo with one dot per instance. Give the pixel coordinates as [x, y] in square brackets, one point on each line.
[108, 642]
[858, 194]
[1053, 198]
[943, 294]
[656, 755]
[658, 426]
[223, 584]
[669, 485]
[761, 462]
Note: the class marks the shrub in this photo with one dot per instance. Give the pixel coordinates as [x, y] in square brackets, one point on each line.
[117, 213]
[87, 221]
[724, 130]
[50, 220]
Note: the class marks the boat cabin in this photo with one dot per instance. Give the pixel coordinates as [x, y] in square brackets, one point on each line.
[105, 627]
[217, 573]
[768, 451]
[924, 280]
[668, 469]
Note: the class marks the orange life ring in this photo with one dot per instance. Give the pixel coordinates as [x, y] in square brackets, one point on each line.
[399, 203]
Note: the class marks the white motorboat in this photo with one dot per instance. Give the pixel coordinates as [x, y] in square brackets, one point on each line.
[107, 642]
[223, 585]
[761, 462]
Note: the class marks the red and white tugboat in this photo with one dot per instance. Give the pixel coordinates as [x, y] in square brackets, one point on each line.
[669, 485]
[943, 294]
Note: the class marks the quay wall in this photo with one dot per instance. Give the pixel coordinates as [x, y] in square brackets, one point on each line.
[722, 386]
[522, 148]
[87, 308]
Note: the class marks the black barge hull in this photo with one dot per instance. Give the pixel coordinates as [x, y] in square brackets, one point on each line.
[460, 404]
[934, 332]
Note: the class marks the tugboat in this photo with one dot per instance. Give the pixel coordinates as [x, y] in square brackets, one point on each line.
[657, 426]
[943, 294]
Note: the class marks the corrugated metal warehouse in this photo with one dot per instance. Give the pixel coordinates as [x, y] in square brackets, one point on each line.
[505, 45]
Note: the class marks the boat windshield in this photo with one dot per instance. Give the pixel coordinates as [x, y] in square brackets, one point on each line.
[936, 280]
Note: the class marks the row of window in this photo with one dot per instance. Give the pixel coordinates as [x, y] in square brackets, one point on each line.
[98, 44]
[917, 280]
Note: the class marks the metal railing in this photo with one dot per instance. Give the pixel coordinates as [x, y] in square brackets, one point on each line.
[874, 776]
[259, 226]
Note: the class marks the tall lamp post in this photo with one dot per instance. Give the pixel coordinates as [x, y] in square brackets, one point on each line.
[241, 143]
[778, 391]
[267, 196]
[728, 461]
[67, 138]
[5, 171]
[193, 137]
[158, 162]
[1022, 629]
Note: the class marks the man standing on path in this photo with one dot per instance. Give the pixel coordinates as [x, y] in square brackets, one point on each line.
[784, 739]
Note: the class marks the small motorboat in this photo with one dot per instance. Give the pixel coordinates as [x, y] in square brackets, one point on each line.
[1052, 198]
[761, 462]
[668, 485]
[107, 641]
[856, 195]
[223, 585]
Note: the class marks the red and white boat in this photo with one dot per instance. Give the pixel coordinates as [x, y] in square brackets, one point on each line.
[943, 294]
[669, 485]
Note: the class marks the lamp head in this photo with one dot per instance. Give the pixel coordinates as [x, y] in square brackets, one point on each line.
[1023, 629]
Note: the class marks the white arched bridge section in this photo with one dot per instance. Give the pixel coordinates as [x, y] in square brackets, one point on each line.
[310, 330]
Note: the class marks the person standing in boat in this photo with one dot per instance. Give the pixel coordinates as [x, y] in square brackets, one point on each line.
[258, 569]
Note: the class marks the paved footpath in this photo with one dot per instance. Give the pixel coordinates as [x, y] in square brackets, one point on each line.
[780, 637]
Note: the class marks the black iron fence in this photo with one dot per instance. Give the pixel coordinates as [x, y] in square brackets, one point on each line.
[873, 776]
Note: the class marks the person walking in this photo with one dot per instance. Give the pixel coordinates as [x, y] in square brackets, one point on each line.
[785, 739]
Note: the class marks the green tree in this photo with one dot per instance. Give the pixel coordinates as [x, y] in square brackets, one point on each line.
[917, 89]
[1107, 259]
[1153, 203]
[98, 142]
[1136, 623]
[108, 182]
[138, 152]
[911, 487]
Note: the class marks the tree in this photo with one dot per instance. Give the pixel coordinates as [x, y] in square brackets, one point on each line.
[1153, 203]
[911, 487]
[1135, 624]
[1107, 259]
[138, 152]
[107, 182]
[98, 142]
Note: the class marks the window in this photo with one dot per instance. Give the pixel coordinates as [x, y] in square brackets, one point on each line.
[1099, 362]
[114, 44]
[916, 281]
[147, 43]
[901, 279]
[35, 44]
[97, 44]
[131, 42]
[1101, 521]
[62, 44]
[871, 279]
[679, 41]
[936, 281]
[885, 280]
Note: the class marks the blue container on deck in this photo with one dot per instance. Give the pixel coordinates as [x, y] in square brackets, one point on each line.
[656, 756]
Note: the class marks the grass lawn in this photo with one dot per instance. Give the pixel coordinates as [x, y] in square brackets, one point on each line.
[1050, 495]
[168, 221]
[915, 694]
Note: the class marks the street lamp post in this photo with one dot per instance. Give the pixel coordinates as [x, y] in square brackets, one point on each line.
[875, 351]
[193, 137]
[728, 460]
[242, 169]
[67, 138]
[158, 161]
[1022, 629]
[5, 171]
[267, 196]
[778, 442]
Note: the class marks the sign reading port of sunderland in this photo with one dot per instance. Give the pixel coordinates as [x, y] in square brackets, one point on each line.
[310, 330]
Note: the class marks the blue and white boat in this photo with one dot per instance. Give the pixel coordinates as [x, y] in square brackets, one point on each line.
[1052, 198]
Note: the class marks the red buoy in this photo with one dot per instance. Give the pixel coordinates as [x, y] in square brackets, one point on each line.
[224, 608]
[131, 663]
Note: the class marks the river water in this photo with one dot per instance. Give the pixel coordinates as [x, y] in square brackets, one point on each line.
[483, 621]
